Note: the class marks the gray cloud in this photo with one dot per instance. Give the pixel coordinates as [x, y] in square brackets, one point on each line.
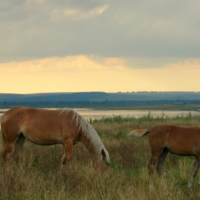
[129, 28]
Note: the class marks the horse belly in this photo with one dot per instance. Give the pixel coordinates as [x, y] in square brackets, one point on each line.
[181, 149]
[46, 137]
[181, 152]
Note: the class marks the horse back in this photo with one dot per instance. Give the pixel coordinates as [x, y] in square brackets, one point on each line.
[178, 140]
[41, 126]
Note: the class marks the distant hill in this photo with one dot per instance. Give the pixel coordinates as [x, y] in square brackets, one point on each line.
[99, 96]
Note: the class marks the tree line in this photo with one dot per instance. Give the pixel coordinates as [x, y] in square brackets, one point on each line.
[93, 104]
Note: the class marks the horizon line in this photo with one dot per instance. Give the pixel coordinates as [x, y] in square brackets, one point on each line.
[95, 91]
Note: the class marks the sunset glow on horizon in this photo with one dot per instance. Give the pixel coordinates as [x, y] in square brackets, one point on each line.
[87, 73]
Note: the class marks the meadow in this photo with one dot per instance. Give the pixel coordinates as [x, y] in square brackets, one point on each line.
[126, 178]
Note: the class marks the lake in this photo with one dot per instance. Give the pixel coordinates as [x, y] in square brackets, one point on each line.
[97, 114]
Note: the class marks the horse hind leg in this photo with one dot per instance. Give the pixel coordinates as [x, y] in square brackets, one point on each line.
[8, 149]
[18, 150]
[9, 143]
[151, 166]
[194, 171]
[160, 166]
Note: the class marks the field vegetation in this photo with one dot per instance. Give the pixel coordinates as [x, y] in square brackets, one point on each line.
[163, 107]
[126, 178]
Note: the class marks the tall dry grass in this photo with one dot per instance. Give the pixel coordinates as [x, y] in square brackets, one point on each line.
[126, 178]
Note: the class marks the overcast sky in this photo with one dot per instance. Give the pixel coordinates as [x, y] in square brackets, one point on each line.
[99, 45]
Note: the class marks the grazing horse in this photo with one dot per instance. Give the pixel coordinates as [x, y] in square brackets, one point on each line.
[177, 140]
[49, 127]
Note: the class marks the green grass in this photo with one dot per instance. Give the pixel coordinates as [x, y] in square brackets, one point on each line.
[174, 107]
[127, 177]
[147, 118]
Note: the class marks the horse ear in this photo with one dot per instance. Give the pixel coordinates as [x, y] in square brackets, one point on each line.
[103, 154]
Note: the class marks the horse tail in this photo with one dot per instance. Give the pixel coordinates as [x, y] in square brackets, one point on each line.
[3, 138]
[139, 132]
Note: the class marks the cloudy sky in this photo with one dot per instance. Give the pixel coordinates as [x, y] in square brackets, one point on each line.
[99, 45]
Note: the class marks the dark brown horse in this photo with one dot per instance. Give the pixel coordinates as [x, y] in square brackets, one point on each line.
[48, 127]
[177, 140]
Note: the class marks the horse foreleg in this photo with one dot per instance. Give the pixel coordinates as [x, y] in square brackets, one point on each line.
[18, 150]
[194, 172]
[67, 157]
[160, 166]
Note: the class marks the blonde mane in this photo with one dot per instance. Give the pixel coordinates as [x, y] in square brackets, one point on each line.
[88, 131]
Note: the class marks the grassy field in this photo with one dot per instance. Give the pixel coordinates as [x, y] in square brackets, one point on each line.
[126, 178]
[187, 107]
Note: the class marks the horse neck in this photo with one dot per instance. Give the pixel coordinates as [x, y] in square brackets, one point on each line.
[92, 143]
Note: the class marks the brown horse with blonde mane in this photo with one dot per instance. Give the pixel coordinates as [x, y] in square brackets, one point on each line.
[49, 127]
[177, 140]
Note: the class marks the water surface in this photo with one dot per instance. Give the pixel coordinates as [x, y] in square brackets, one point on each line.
[97, 114]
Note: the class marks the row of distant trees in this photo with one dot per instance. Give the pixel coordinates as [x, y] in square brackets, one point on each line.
[89, 104]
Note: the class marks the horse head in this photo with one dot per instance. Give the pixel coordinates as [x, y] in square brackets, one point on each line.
[101, 160]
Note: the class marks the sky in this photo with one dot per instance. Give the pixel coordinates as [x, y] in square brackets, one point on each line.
[99, 45]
